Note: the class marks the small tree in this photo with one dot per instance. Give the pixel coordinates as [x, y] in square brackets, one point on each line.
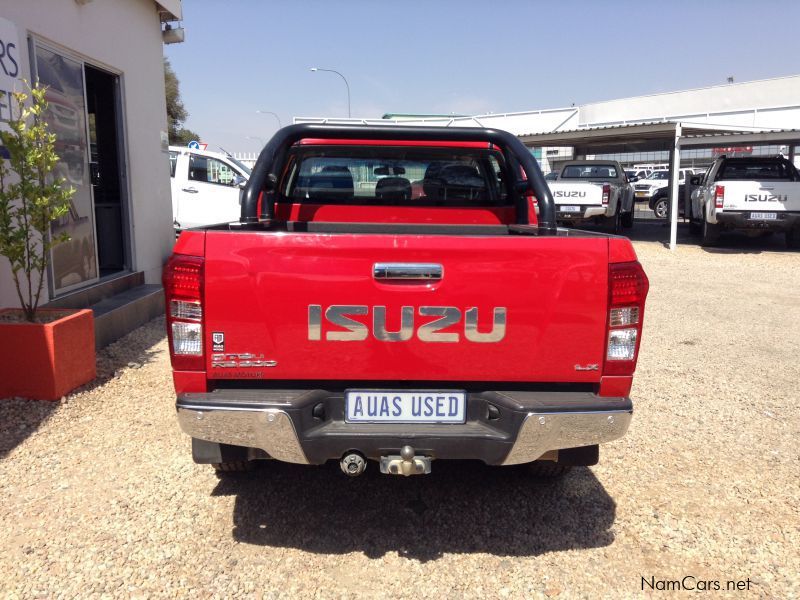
[30, 199]
[176, 111]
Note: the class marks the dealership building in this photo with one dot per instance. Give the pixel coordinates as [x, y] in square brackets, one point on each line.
[102, 61]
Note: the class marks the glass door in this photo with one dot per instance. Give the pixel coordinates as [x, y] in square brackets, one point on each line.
[73, 263]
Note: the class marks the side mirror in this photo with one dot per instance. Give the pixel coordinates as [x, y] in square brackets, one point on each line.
[694, 180]
[634, 179]
[238, 181]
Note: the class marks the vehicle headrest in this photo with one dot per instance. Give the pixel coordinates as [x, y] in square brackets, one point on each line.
[333, 182]
[393, 188]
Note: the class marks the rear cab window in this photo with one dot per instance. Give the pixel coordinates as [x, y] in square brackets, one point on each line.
[757, 170]
[593, 171]
[395, 176]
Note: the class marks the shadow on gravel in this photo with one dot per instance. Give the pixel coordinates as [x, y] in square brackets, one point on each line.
[462, 507]
[731, 242]
[134, 350]
[20, 418]
[740, 243]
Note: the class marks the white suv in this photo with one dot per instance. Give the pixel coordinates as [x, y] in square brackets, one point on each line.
[645, 188]
[206, 187]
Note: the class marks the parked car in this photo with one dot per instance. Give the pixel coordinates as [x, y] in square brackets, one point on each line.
[659, 203]
[353, 323]
[748, 194]
[635, 175]
[206, 187]
[648, 186]
[594, 190]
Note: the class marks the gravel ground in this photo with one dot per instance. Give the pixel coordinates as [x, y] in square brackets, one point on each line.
[99, 496]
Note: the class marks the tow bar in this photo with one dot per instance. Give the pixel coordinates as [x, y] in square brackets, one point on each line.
[406, 464]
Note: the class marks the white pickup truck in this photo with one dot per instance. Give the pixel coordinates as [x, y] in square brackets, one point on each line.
[645, 189]
[206, 187]
[750, 194]
[596, 190]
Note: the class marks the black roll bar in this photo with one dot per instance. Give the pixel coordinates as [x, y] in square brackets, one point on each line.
[266, 172]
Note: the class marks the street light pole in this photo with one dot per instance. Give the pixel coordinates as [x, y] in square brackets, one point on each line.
[347, 85]
[269, 112]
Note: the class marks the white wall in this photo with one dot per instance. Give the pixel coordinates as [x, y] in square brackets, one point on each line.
[121, 36]
[728, 104]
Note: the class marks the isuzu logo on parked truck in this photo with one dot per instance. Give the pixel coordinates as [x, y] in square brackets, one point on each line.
[568, 194]
[766, 198]
[341, 315]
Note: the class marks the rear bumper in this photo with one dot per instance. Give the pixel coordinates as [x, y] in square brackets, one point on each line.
[743, 220]
[308, 426]
[585, 212]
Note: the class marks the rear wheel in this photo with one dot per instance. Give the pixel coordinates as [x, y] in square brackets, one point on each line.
[614, 223]
[627, 219]
[547, 469]
[710, 233]
[793, 238]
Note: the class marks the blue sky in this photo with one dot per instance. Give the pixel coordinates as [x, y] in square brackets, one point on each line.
[460, 57]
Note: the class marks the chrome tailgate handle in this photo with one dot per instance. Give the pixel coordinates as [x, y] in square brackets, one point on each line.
[407, 271]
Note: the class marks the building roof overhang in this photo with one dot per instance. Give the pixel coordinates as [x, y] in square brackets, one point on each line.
[659, 135]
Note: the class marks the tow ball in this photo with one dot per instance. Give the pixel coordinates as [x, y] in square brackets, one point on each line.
[406, 464]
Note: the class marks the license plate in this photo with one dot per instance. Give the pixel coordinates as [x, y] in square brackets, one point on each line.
[762, 216]
[641, 194]
[569, 209]
[386, 406]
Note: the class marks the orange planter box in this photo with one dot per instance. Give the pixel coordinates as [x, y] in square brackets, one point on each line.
[45, 361]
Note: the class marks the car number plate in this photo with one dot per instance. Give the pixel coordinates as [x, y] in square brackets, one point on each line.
[764, 216]
[387, 406]
[641, 194]
[569, 209]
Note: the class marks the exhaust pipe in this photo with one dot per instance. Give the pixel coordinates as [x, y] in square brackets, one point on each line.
[353, 464]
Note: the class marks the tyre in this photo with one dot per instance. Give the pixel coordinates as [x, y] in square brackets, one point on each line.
[547, 469]
[793, 239]
[627, 219]
[614, 223]
[237, 466]
[710, 235]
[661, 208]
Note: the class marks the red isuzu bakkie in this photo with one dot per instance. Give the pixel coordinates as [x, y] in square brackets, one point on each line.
[389, 294]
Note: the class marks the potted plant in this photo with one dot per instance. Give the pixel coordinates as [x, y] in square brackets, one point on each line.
[44, 353]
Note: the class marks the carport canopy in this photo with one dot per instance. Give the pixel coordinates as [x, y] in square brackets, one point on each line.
[656, 136]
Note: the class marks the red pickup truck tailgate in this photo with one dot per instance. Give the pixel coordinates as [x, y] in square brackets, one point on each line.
[260, 285]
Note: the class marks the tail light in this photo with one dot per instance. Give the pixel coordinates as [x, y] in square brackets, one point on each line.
[183, 291]
[606, 193]
[719, 196]
[627, 290]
